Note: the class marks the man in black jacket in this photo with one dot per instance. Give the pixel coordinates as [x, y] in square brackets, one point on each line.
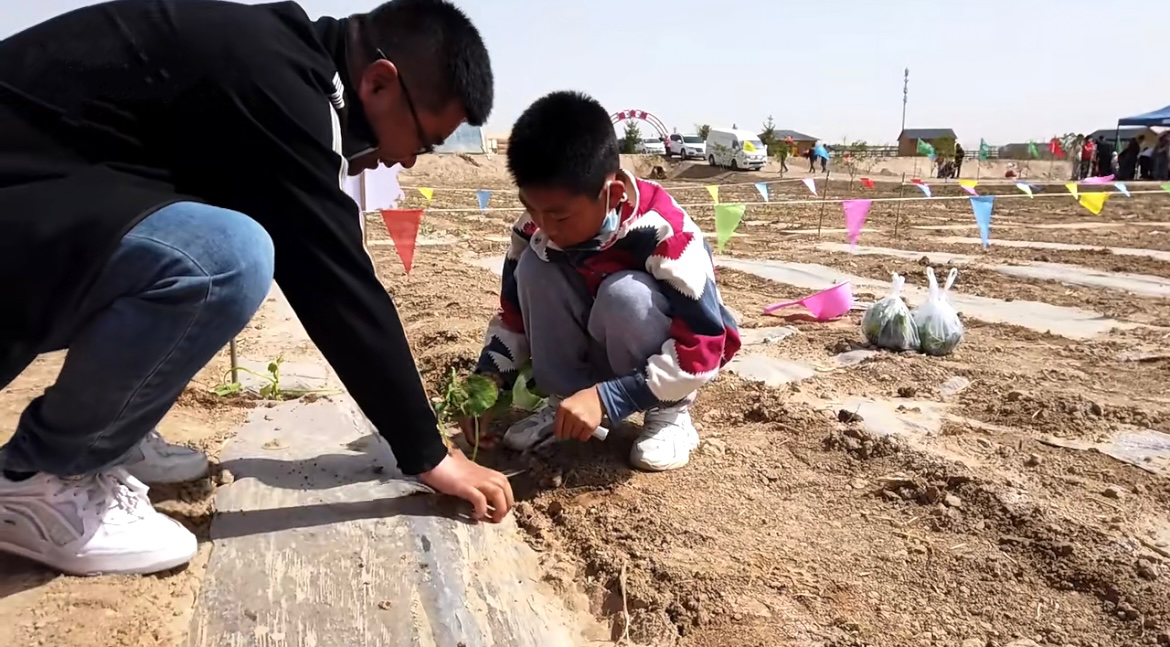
[161, 161]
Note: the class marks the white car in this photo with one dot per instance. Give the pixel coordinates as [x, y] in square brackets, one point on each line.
[736, 149]
[686, 146]
[651, 146]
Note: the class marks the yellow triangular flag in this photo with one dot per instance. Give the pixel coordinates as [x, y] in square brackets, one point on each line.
[427, 192]
[1094, 202]
[714, 191]
[970, 184]
[1072, 188]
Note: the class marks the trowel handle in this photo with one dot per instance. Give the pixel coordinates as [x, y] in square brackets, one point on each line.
[600, 433]
[783, 304]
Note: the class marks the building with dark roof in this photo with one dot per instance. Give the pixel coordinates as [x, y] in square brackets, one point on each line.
[937, 137]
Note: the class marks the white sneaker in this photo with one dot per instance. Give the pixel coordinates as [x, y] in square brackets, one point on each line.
[157, 462]
[667, 440]
[524, 434]
[91, 525]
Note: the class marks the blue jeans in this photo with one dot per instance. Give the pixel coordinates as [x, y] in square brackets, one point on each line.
[180, 285]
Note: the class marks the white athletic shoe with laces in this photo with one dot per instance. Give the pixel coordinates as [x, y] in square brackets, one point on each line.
[525, 433]
[156, 462]
[667, 440]
[90, 525]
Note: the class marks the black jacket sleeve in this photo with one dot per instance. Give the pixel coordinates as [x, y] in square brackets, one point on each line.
[284, 169]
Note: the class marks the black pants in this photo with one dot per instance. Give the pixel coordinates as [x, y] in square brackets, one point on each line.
[1146, 167]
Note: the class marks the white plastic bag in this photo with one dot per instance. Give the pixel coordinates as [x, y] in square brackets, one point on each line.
[939, 327]
[888, 323]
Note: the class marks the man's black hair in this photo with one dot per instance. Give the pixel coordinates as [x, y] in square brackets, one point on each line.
[439, 53]
[564, 140]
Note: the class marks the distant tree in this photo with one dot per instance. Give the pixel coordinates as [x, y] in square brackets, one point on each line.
[944, 146]
[768, 134]
[631, 138]
[702, 130]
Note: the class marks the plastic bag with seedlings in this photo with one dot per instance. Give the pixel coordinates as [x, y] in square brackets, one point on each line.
[938, 324]
[888, 323]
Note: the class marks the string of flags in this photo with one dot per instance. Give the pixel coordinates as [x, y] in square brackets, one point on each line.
[402, 225]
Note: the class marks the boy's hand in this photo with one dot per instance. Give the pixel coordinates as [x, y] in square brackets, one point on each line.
[487, 440]
[488, 490]
[579, 414]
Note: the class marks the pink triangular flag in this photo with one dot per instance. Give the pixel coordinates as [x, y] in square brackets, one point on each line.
[1098, 180]
[855, 214]
[402, 225]
[811, 184]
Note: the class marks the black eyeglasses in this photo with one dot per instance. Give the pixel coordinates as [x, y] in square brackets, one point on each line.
[424, 148]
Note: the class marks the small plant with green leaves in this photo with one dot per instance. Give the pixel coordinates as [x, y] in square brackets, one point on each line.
[476, 395]
[271, 390]
[470, 397]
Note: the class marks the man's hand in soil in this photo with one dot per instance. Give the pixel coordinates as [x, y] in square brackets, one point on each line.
[579, 415]
[487, 490]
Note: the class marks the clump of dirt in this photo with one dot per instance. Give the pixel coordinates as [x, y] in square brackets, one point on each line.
[861, 444]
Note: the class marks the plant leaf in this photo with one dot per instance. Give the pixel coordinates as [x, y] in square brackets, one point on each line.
[481, 394]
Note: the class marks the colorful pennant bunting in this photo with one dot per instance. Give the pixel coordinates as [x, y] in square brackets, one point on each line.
[483, 197]
[924, 188]
[1123, 189]
[427, 192]
[1026, 188]
[402, 225]
[856, 212]
[727, 219]
[969, 186]
[1094, 202]
[982, 206]
[762, 188]
[811, 184]
[714, 191]
[1073, 189]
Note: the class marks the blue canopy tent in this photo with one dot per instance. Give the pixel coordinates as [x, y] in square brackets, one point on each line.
[1155, 118]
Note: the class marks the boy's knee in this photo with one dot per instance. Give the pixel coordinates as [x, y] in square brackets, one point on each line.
[629, 300]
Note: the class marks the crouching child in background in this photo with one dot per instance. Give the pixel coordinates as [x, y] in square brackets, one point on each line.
[608, 288]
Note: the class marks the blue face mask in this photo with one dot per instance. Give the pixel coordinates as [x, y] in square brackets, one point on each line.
[609, 225]
[612, 218]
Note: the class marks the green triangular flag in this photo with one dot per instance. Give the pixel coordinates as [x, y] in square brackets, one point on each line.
[1032, 150]
[984, 150]
[1166, 187]
[925, 148]
[727, 218]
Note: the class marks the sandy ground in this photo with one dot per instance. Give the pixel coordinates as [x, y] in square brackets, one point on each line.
[794, 524]
[40, 608]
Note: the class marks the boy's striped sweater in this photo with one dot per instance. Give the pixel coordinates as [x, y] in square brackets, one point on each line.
[653, 235]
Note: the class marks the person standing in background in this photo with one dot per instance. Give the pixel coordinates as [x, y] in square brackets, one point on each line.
[1127, 161]
[1088, 150]
[1104, 157]
[959, 155]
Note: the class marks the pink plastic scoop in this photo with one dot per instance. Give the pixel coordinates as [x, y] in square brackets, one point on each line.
[824, 305]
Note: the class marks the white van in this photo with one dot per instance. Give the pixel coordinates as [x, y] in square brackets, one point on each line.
[736, 149]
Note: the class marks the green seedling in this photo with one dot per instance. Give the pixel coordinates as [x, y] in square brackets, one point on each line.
[470, 397]
[271, 390]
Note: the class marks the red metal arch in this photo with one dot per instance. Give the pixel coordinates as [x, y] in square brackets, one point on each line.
[625, 115]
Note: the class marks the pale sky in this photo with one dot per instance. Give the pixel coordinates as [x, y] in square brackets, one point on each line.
[1002, 70]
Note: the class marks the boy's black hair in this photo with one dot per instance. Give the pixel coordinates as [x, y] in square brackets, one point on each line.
[564, 140]
[439, 52]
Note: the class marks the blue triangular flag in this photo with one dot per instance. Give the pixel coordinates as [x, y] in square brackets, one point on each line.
[925, 189]
[1121, 187]
[982, 205]
[483, 196]
[763, 189]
